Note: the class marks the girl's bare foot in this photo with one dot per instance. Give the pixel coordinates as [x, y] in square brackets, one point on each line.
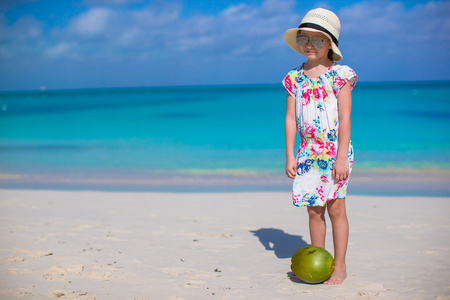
[337, 277]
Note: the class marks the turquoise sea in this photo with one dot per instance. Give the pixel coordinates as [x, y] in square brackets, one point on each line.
[170, 138]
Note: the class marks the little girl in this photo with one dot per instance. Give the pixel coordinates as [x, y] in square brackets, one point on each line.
[319, 103]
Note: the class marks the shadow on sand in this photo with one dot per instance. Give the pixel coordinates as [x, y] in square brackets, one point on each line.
[283, 244]
[295, 279]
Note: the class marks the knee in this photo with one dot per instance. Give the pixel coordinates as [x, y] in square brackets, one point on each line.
[316, 212]
[337, 210]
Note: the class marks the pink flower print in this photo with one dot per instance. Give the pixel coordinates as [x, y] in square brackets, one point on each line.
[307, 97]
[320, 192]
[319, 93]
[303, 144]
[324, 178]
[316, 94]
[339, 82]
[310, 131]
[352, 72]
[288, 83]
[339, 185]
[317, 146]
[324, 92]
[296, 199]
[330, 146]
[301, 133]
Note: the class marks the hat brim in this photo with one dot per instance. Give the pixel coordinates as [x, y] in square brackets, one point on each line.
[290, 36]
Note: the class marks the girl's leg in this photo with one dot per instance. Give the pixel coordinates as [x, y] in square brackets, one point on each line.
[317, 226]
[339, 223]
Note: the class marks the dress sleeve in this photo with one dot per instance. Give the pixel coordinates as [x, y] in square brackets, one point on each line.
[344, 75]
[289, 82]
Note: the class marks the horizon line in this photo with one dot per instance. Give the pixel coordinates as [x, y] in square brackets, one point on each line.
[44, 89]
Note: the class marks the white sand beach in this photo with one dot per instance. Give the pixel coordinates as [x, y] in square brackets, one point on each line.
[123, 245]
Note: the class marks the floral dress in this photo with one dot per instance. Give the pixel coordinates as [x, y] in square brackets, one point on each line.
[318, 124]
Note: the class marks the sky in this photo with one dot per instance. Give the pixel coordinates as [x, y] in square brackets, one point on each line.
[56, 44]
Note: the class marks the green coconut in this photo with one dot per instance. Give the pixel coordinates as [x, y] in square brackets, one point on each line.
[312, 264]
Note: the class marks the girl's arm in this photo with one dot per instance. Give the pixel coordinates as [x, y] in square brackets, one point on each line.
[341, 168]
[290, 133]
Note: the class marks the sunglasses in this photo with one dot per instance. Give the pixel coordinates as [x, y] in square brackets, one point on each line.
[317, 42]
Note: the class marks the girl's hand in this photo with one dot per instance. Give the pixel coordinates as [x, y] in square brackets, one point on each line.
[340, 170]
[291, 167]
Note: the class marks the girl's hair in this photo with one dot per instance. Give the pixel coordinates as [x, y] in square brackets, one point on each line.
[330, 54]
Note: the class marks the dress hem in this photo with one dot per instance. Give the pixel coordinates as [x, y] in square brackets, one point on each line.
[325, 203]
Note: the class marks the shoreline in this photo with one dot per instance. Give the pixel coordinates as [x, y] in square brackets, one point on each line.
[376, 181]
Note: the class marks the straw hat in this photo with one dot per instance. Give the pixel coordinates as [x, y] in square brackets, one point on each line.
[317, 20]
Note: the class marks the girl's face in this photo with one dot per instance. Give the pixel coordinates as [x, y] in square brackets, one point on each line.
[312, 53]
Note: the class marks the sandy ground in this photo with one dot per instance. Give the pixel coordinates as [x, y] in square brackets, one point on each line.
[121, 245]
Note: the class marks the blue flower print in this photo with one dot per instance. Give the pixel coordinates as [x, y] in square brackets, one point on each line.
[331, 135]
[334, 73]
[320, 106]
[323, 164]
[332, 161]
[304, 167]
[312, 199]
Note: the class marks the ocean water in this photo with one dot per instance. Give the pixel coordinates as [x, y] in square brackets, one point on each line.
[213, 130]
